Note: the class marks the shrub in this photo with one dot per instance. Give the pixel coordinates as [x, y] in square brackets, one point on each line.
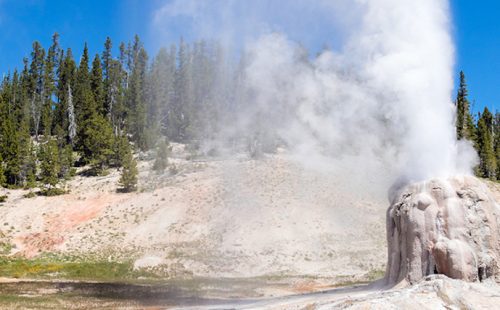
[161, 160]
[53, 191]
[30, 195]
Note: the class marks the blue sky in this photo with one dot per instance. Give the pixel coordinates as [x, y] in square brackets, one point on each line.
[23, 21]
[477, 36]
[476, 32]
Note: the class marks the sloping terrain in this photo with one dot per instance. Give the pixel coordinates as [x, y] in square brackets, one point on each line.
[235, 217]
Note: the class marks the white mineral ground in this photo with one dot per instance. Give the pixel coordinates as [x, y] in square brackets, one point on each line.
[226, 218]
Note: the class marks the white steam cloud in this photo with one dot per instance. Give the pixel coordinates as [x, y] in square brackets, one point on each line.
[378, 106]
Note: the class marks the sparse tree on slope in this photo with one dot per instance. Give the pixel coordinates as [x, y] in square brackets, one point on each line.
[161, 160]
[128, 179]
[121, 149]
[49, 164]
[98, 140]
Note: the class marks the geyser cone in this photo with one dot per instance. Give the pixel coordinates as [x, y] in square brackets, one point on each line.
[443, 226]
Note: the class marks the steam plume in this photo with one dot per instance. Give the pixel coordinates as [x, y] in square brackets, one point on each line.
[378, 107]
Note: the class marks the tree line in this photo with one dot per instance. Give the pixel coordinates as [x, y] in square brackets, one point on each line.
[483, 131]
[58, 113]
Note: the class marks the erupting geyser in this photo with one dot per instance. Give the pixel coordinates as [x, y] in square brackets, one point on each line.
[445, 227]
[375, 108]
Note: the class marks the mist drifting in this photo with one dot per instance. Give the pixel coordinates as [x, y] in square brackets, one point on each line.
[374, 109]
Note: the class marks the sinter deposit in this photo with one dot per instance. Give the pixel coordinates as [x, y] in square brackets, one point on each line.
[445, 227]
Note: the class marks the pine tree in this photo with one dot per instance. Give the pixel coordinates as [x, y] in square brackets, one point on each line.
[116, 112]
[123, 57]
[121, 148]
[182, 105]
[65, 89]
[94, 135]
[19, 139]
[49, 87]
[160, 90]
[17, 100]
[98, 141]
[128, 179]
[84, 102]
[464, 121]
[135, 101]
[107, 57]
[161, 160]
[36, 85]
[67, 160]
[27, 171]
[3, 119]
[29, 167]
[2, 173]
[97, 86]
[49, 164]
[24, 98]
[496, 139]
[485, 145]
[9, 136]
[107, 63]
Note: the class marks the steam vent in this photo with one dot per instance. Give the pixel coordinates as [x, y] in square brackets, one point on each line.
[448, 227]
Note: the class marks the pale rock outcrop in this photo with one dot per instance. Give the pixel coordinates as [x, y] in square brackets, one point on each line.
[448, 227]
[431, 293]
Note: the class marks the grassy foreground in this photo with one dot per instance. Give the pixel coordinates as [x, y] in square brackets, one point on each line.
[53, 282]
[56, 268]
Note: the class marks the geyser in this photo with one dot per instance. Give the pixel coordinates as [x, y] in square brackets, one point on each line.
[443, 226]
[376, 107]
[373, 110]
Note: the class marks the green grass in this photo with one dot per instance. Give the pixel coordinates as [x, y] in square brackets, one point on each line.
[50, 268]
[5, 247]
[375, 274]
[61, 301]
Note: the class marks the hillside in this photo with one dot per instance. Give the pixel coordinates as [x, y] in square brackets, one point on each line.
[214, 218]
